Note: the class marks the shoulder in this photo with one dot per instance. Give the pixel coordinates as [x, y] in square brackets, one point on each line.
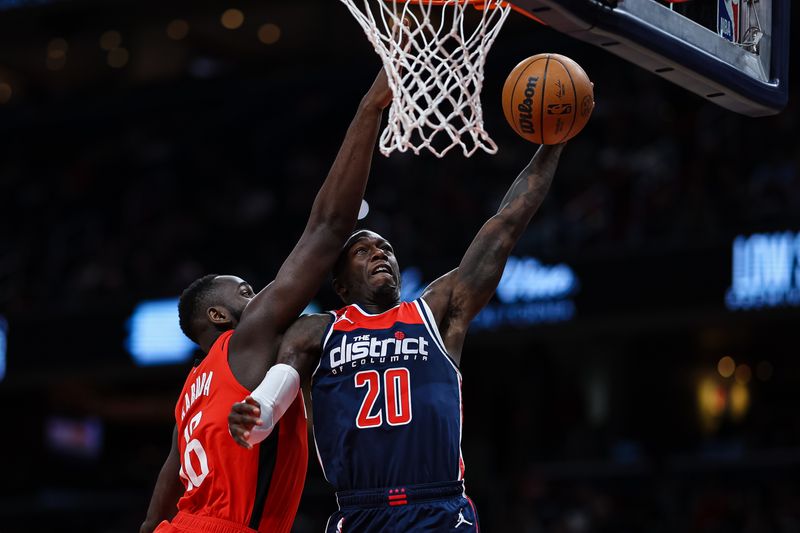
[314, 320]
[437, 295]
[310, 327]
[302, 344]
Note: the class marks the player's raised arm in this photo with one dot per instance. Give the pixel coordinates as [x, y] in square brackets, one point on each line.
[332, 218]
[252, 420]
[169, 488]
[458, 296]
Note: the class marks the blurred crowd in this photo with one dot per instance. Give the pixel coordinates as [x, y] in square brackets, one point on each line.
[142, 201]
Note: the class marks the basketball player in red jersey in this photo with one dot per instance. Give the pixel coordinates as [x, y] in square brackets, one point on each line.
[377, 361]
[212, 484]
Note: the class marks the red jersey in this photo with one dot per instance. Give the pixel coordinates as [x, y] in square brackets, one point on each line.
[258, 488]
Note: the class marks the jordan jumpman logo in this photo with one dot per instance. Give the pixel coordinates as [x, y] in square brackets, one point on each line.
[461, 519]
[343, 317]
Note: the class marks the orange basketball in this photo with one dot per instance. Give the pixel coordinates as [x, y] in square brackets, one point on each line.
[548, 99]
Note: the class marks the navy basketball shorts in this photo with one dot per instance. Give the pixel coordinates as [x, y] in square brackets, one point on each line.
[427, 508]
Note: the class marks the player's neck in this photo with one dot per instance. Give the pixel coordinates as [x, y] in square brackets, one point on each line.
[207, 339]
[378, 303]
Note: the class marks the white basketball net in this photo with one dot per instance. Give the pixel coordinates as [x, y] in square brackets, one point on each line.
[436, 75]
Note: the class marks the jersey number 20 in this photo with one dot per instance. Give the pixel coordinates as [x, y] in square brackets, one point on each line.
[396, 393]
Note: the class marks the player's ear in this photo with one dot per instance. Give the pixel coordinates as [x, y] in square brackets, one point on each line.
[218, 315]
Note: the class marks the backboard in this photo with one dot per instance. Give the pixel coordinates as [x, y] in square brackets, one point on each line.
[736, 54]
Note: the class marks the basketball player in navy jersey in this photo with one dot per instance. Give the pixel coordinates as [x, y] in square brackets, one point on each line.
[385, 383]
[208, 484]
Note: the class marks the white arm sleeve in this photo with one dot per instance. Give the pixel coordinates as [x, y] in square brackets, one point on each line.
[275, 394]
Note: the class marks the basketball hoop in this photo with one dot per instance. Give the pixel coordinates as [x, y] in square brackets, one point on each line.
[435, 69]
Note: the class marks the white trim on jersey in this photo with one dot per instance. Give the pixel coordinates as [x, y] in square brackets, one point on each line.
[370, 314]
[433, 329]
[311, 393]
[330, 329]
[427, 314]
[324, 343]
[460, 474]
[314, 435]
[429, 329]
[430, 324]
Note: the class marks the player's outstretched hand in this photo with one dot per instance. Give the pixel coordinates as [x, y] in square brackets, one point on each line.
[379, 95]
[244, 416]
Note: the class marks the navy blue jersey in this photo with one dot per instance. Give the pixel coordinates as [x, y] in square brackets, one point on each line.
[387, 400]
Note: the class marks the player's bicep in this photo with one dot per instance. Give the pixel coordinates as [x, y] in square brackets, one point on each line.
[297, 282]
[301, 275]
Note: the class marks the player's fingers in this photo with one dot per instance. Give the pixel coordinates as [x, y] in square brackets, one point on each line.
[243, 407]
[252, 401]
[238, 434]
[404, 34]
[241, 438]
[246, 421]
[246, 409]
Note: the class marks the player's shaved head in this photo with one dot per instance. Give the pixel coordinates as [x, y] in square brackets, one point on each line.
[194, 301]
[213, 304]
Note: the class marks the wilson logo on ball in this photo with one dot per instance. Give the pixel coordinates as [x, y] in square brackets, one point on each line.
[526, 107]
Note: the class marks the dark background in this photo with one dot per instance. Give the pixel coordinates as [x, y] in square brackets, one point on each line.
[204, 154]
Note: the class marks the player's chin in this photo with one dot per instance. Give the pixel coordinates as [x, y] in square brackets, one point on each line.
[385, 281]
[383, 286]
[387, 291]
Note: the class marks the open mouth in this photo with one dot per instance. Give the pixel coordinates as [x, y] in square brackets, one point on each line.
[381, 269]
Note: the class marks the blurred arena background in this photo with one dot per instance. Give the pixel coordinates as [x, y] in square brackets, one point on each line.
[637, 371]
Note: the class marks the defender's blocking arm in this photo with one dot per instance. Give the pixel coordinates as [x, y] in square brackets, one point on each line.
[458, 296]
[332, 218]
